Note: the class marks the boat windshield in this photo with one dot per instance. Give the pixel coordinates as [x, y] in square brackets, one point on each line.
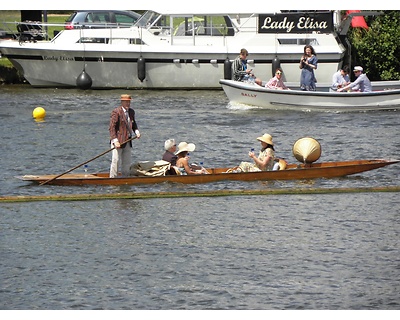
[148, 19]
[187, 25]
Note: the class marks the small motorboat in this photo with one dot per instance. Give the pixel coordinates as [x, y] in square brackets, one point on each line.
[255, 95]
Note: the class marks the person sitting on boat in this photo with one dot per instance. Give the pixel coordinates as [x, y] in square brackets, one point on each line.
[265, 160]
[276, 82]
[308, 63]
[182, 163]
[362, 83]
[340, 79]
[169, 154]
[240, 70]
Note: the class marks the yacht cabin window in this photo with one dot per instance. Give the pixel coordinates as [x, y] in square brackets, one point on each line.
[297, 41]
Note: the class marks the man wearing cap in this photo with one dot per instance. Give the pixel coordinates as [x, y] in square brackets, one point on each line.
[361, 84]
[169, 154]
[122, 127]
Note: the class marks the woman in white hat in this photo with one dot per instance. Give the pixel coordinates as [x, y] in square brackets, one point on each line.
[182, 162]
[265, 160]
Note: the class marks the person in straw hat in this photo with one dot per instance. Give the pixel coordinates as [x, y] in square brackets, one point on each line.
[182, 162]
[122, 127]
[265, 160]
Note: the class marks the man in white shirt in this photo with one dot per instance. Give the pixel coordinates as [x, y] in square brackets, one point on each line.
[340, 79]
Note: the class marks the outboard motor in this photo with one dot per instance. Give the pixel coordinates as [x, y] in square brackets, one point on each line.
[84, 81]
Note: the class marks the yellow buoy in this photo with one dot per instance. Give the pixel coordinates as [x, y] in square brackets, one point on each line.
[39, 113]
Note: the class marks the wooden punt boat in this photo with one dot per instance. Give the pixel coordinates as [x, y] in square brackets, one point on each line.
[292, 172]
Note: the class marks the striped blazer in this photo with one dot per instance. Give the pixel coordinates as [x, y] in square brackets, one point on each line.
[119, 125]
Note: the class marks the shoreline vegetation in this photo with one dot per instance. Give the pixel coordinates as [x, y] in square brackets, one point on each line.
[8, 73]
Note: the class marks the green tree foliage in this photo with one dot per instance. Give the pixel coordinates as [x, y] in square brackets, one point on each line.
[378, 48]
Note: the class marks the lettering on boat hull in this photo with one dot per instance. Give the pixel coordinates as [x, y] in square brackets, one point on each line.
[250, 95]
[57, 58]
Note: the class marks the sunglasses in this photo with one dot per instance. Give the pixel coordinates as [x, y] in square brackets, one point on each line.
[278, 73]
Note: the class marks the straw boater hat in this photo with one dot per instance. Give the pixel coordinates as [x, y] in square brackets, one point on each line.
[267, 138]
[183, 146]
[126, 97]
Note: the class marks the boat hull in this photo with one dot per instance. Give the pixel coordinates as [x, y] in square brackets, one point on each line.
[254, 95]
[292, 172]
[173, 67]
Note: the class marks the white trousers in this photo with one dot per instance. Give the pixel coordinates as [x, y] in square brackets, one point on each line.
[121, 158]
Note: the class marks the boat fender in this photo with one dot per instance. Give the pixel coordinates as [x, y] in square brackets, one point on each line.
[141, 69]
[84, 81]
[227, 69]
[276, 63]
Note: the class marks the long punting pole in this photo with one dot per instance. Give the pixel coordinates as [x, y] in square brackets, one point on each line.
[83, 163]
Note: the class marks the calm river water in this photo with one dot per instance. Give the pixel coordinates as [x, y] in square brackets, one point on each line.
[298, 251]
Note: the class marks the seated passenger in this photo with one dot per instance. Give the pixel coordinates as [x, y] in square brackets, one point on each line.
[340, 79]
[182, 162]
[265, 160]
[277, 82]
[362, 83]
[240, 70]
[170, 148]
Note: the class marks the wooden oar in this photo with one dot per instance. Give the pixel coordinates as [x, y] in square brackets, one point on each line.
[83, 163]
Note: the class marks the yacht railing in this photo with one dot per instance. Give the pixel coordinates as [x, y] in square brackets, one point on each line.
[33, 31]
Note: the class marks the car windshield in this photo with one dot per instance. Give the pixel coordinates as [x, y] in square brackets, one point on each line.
[71, 17]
